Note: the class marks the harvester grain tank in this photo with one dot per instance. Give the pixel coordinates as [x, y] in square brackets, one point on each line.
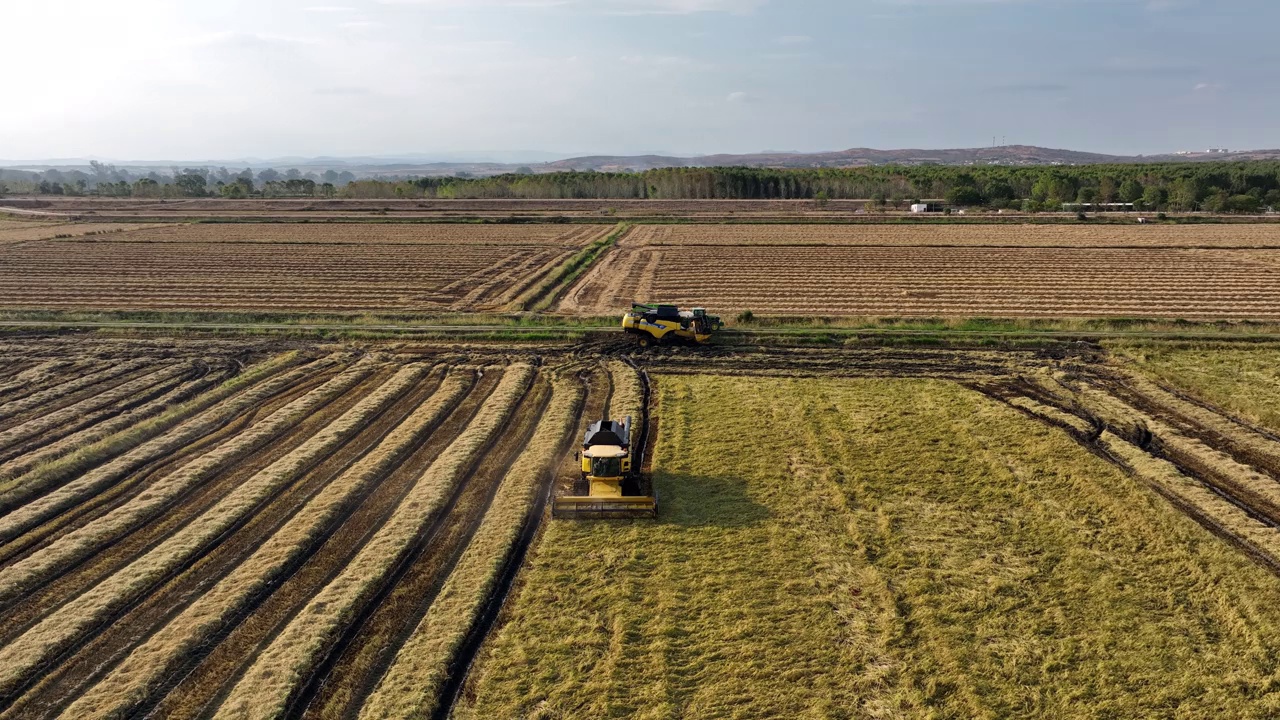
[663, 324]
[611, 487]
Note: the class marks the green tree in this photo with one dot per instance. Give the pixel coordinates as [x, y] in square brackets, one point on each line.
[190, 183]
[964, 196]
[1218, 201]
[1183, 195]
[822, 199]
[1154, 197]
[1131, 191]
[1107, 189]
[1247, 204]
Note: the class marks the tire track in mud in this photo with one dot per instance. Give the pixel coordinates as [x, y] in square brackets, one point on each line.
[1137, 435]
[595, 404]
[213, 428]
[96, 655]
[110, 378]
[35, 439]
[363, 653]
[210, 489]
[50, 450]
[196, 689]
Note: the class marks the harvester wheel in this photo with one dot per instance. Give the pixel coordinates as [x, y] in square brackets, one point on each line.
[645, 341]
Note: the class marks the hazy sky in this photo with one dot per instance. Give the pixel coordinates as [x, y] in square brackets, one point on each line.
[187, 80]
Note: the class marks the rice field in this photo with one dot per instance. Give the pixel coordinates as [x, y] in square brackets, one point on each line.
[1054, 271]
[257, 529]
[288, 268]
[191, 530]
[890, 548]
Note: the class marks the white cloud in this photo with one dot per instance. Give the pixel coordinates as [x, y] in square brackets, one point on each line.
[622, 7]
[738, 97]
[794, 40]
[330, 9]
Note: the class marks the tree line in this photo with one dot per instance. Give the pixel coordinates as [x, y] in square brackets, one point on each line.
[1244, 187]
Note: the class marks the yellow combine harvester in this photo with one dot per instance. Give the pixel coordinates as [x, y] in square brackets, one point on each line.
[610, 488]
[659, 324]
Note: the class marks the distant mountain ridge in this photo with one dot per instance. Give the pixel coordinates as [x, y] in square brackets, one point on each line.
[445, 164]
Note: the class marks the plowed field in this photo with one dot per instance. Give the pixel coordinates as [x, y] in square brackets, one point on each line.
[348, 268]
[1191, 272]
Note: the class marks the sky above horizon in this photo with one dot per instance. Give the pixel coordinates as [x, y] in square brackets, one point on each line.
[157, 79]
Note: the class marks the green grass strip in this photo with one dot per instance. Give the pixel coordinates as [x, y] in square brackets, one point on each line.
[573, 268]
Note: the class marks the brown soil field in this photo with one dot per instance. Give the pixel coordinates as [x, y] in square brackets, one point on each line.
[289, 267]
[88, 208]
[1064, 236]
[17, 231]
[908, 271]
[562, 236]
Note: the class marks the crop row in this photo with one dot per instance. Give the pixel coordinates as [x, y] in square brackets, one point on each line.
[927, 281]
[1067, 236]
[349, 517]
[370, 234]
[226, 276]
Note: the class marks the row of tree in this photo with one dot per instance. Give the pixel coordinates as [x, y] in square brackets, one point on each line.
[1215, 187]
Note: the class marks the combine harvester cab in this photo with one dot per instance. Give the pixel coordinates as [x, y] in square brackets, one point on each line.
[611, 484]
[661, 324]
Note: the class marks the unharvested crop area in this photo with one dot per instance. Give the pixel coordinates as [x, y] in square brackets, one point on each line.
[242, 531]
[279, 267]
[1187, 272]
[888, 547]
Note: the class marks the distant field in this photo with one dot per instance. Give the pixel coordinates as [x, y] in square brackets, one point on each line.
[288, 267]
[1188, 272]
[15, 231]
[1165, 272]
[1064, 236]
[882, 548]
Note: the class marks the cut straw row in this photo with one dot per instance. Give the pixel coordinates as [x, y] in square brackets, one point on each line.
[146, 667]
[63, 627]
[412, 685]
[264, 690]
[89, 538]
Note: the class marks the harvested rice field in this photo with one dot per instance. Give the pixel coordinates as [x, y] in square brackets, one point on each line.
[1053, 271]
[286, 268]
[259, 528]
